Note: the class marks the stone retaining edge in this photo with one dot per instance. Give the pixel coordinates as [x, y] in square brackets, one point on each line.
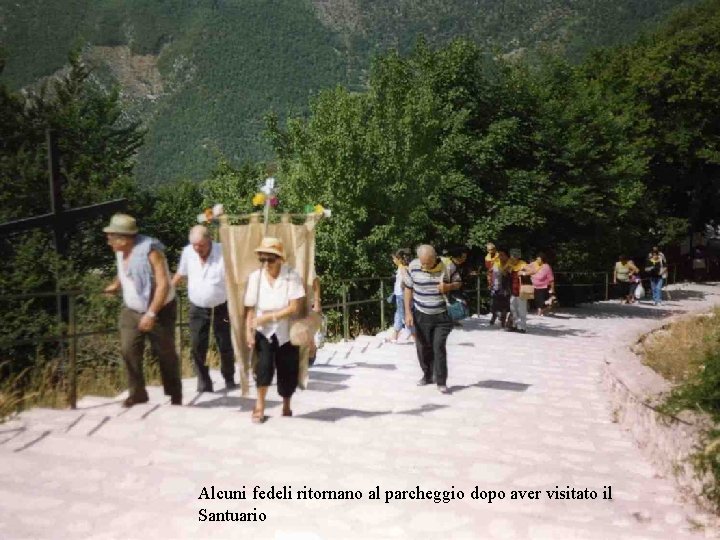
[667, 441]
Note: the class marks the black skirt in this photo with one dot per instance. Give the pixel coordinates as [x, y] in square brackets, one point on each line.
[623, 288]
[541, 297]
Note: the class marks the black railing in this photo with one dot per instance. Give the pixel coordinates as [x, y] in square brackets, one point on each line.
[572, 288]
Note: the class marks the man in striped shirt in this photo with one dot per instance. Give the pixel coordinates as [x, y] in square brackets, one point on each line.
[426, 282]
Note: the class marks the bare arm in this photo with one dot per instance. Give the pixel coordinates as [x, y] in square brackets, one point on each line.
[408, 300]
[445, 288]
[162, 281]
[317, 305]
[177, 279]
[162, 287]
[250, 326]
[113, 287]
[454, 284]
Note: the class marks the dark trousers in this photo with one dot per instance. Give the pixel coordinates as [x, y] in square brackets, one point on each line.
[287, 360]
[430, 339]
[162, 341]
[200, 321]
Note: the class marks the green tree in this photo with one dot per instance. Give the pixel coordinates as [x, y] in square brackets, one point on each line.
[174, 210]
[97, 147]
[598, 203]
[232, 186]
[440, 149]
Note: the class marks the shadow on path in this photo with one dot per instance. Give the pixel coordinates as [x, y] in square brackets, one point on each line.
[536, 328]
[428, 407]
[683, 294]
[327, 376]
[388, 367]
[325, 386]
[508, 386]
[242, 403]
[333, 414]
[614, 311]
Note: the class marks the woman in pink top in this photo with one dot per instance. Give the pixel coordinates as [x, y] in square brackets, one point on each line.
[543, 282]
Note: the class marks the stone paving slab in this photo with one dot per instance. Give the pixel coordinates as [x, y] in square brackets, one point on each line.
[526, 412]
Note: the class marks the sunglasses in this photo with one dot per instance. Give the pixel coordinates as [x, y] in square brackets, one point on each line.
[267, 258]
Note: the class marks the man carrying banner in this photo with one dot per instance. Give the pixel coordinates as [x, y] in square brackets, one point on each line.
[202, 264]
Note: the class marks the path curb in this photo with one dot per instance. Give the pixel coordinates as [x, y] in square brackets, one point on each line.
[668, 441]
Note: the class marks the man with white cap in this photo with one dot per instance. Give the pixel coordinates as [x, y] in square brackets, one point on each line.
[274, 294]
[149, 307]
[202, 264]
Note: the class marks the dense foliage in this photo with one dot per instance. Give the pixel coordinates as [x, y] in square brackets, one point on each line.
[688, 353]
[225, 63]
[457, 145]
[449, 144]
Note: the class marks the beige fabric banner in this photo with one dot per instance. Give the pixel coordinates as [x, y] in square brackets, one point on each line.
[239, 243]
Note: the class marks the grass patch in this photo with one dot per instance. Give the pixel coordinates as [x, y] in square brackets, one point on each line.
[688, 354]
[678, 352]
[103, 374]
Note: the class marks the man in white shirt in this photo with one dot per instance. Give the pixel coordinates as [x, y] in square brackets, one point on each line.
[202, 264]
[274, 294]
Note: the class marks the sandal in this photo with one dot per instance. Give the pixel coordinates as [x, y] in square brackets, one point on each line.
[258, 417]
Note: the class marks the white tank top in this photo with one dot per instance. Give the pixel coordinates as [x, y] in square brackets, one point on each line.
[131, 297]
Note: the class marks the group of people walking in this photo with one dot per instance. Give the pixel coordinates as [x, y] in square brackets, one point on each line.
[627, 277]
[512, 282]
[425, 286]
[149, 311]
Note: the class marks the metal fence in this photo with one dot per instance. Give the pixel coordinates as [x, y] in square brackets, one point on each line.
[572, 288]
[62, 340]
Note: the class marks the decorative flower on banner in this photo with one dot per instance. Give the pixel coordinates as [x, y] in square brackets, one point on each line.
[318, 209]
[269, 186]
[274, 201]
[211, 214]
[309, 209]
[258, 199]
[206, 216]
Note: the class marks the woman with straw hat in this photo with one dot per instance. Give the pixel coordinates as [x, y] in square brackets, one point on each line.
[274, 295]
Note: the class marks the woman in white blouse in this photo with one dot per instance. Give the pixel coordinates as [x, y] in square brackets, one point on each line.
[274, 295]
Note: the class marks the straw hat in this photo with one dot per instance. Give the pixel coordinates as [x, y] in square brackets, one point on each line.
[122, 224]
[273, 246]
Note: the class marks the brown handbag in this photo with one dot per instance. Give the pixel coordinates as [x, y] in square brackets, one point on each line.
[527, 292]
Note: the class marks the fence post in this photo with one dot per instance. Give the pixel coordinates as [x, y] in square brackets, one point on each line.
[382, 305]
[346, 315]
[72, 328]
[477, 295]
[607, 287]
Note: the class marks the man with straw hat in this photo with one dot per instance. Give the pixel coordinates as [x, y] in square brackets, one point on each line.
[274, 295]
[149, 307]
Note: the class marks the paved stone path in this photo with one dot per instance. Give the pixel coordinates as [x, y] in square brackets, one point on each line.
[526, 412]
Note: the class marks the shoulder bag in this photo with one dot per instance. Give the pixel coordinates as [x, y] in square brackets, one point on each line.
[527, 290]
[457, 308]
